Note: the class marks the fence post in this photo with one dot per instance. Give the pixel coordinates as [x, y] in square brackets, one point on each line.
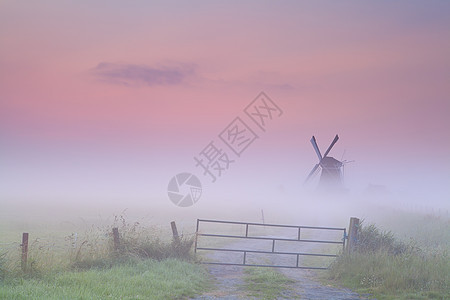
[176, 237]
[352, 234]
[115, 232]
[196, 236]
[24, 250]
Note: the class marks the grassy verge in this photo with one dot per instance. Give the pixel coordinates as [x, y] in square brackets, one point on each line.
[266, 283]
[144, 266]
[149, 279]
[390, 269]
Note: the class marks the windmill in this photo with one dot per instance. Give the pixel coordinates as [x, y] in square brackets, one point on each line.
[331, 175]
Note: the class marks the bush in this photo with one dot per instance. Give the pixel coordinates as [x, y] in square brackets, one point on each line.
[159, 250]
[371, 240]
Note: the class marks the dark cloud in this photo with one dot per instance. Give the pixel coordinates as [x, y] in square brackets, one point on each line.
[129, 74]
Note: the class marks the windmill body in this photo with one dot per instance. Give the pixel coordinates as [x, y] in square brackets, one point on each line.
[331, 175]
[331, 168]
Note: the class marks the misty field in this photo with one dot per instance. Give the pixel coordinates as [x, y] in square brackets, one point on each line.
[402, 255]
[147, 265]
[412, 262]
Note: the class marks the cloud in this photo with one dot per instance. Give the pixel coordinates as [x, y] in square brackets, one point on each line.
[135, 75]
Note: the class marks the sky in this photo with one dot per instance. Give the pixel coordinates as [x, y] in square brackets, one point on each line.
[107, 100]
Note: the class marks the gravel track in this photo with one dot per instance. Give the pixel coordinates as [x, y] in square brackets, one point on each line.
[229, 280]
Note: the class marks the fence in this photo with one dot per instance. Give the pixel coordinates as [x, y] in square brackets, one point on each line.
[25, 245]
[352, 239]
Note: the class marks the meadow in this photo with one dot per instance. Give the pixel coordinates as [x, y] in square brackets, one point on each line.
[402, 255]
[147, 264]
[411, 261]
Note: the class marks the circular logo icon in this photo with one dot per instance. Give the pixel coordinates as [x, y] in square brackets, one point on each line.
[184, 189]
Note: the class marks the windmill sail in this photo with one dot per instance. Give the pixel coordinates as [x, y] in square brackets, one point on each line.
[314, 143]
[336, 138]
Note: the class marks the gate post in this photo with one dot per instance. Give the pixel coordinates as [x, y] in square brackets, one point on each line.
[196, 236]
[352, 234]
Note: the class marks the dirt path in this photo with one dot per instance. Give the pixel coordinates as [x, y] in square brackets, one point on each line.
[230, 279]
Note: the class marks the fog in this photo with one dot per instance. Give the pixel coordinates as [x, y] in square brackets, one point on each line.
[80, 188]
[252, 191]
[97, 124]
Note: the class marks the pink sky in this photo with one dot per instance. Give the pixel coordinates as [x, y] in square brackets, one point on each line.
[99, 99]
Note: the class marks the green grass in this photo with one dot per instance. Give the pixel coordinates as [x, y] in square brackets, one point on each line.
[395, 277]
[94, 249]
[390, 268]
[143, 266]
[266, 283]
[148, 279]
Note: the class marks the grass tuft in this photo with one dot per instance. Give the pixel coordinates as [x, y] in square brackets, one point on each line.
[266, 283]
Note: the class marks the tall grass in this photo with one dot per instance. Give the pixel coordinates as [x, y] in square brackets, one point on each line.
[136, 242]
[145, 266]
[389, 268]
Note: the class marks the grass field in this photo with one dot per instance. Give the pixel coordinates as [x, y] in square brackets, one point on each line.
[145, 266]
[412, 263]
[147, 279]
[68, 260]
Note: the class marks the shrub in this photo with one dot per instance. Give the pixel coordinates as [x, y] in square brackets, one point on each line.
[371, 240]
[156, 248]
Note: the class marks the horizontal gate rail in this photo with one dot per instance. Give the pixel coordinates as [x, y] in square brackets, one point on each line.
[273, 239]
[268, 225]
[267, 238]
[268, 266]
[267, 252]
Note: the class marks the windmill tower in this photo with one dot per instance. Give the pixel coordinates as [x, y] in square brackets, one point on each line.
[331, 175]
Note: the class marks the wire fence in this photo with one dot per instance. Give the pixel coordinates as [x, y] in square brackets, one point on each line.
[97, 243]
[39, 250]
[4, 247]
